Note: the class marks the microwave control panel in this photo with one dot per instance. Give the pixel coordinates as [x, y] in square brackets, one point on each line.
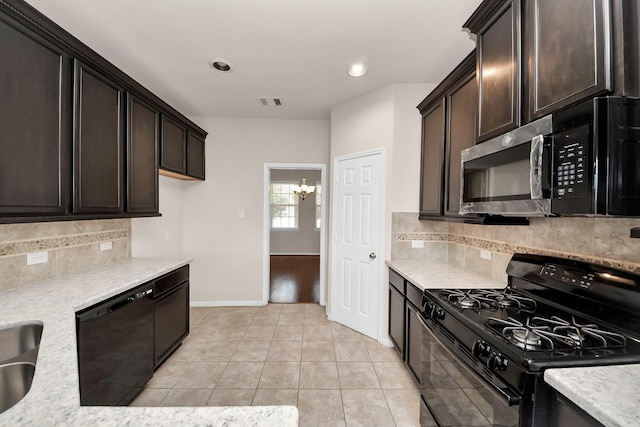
[570, 163]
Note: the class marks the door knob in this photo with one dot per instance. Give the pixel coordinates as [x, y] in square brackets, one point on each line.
[372, 255]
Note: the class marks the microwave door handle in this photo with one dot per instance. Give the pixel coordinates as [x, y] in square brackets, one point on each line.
[535, 169]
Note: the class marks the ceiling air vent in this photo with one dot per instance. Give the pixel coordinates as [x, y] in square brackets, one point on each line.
[271, 102]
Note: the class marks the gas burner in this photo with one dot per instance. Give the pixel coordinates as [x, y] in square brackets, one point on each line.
[483, 299]
[554, 333]
[524, 338]
[468, 302]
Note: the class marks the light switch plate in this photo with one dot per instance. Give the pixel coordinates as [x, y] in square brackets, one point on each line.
[105, 246]
[485, 254]
[417, 244]
[37, 257]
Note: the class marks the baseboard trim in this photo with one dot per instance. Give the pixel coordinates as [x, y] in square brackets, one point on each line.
[225, 303]
[385, 341]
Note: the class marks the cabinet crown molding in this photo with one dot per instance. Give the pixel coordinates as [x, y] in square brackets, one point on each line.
[483, 14]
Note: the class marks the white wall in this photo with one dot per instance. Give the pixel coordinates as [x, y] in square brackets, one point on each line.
[388, 119]
[227, 249]
[305, 239]
[161, 236]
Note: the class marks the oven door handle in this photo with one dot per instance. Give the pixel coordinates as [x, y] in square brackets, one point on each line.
[510, 398]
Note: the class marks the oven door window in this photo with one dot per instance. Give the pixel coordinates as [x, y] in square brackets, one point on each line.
[454, 394]
[504, 175]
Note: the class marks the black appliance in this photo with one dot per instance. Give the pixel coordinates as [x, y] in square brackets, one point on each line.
[484, 352]
[584, 160]
[115, 348]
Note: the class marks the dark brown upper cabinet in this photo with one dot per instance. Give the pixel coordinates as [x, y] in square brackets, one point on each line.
[462, 102]
[195, 155]
[143, 136]
[35, 81]
[182, 151]
[567, 46]
[97, 143]
[498, 70]
[173, 156]
[73, 146]
[536, 57]
[431, 183]
[448, 127]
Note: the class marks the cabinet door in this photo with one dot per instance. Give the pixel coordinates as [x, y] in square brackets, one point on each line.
[568, 48]
[461, 134]
[413, 341]
[431, 184]
[143, 130]
[97, 143]
[34, 121]
[195, 155]
[396, 319]
[499, 75]
[171, 322]
[173, 154]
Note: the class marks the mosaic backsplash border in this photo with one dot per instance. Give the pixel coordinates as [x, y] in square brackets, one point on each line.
[22, 247]
[509, 248]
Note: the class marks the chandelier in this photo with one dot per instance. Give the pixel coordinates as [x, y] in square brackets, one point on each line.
[303, 190]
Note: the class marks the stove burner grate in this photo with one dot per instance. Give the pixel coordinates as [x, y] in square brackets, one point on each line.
[554, 333]
[480, 298]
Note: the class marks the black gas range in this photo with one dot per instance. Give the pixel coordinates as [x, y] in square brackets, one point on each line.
[484, 351]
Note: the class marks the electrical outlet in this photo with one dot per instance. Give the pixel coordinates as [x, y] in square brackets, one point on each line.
[37, 257]
[417, 244]
[485, 254]
[105, 246]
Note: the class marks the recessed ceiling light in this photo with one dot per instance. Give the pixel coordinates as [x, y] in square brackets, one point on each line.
[357, 70]
[221, 65]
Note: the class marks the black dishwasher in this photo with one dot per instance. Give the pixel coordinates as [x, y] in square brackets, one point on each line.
[115, 348]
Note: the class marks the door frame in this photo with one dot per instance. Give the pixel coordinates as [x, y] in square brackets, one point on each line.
[381, 240]
[266, 227]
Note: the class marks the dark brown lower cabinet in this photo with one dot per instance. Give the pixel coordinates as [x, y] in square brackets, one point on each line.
[566, 413]
[413, 333]
[171, 313]
[396, 319]
[405, 329]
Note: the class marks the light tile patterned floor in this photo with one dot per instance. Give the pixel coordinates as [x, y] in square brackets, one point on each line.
[286, 354]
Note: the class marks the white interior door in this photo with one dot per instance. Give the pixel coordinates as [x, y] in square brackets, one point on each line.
[356, 231]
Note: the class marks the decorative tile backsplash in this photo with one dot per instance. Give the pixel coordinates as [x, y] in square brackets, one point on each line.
[603, 241]
[72, 246]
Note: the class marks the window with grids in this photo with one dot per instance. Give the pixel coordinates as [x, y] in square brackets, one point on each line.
[318, 194]
[284, 206]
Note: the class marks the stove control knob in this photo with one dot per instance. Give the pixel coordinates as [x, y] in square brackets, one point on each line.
[481, 348]
[438, 313]
[498, 362]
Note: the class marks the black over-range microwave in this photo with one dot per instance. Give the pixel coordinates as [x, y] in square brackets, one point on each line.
[584, 160]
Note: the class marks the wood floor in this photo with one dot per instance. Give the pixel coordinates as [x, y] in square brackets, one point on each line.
[295, 278]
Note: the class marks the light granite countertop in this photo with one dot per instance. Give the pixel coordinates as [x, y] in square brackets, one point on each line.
[438, 275]
[607, 393]
[54, 398]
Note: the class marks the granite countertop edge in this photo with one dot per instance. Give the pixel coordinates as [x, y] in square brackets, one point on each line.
[607, 393]
[54, 397]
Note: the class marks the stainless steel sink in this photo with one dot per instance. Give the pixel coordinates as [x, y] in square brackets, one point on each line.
[19, 343]
[15, 382]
